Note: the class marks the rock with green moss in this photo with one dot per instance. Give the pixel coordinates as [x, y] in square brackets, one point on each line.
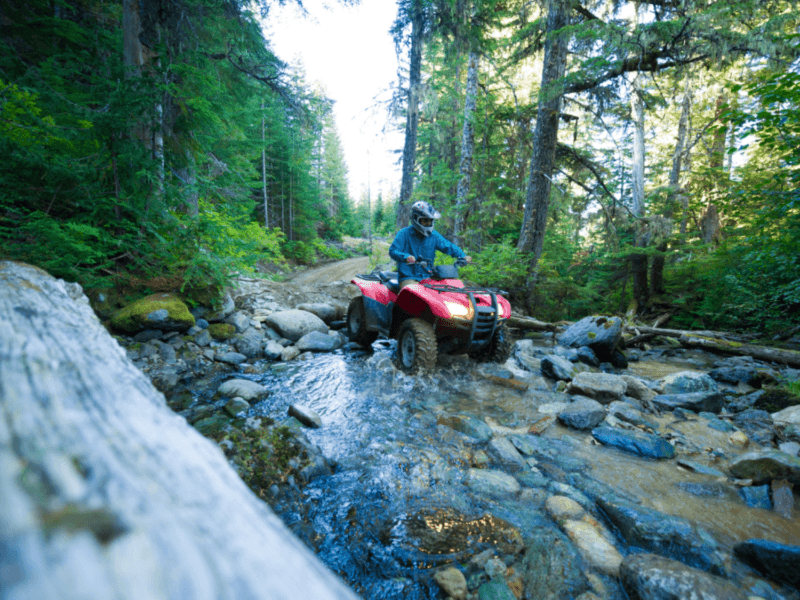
[221, 331]
[166, 312]
[213, 426]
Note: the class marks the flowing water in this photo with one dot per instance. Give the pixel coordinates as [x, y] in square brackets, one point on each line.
[397, 504]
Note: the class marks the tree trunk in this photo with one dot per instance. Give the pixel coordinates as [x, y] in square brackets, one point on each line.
[545, 137]
[675, 190]
[106, 493]
[412, 115]
[467, 147]
[638, 261]
[778, 355]
[264, 168]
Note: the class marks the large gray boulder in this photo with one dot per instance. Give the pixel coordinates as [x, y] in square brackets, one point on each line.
[106, 493]
[294, 324]
[603, 387]
[599, 333]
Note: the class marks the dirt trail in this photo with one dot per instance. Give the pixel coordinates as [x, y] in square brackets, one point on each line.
[342, 270]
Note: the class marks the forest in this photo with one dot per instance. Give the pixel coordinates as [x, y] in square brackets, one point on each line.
[593, 157]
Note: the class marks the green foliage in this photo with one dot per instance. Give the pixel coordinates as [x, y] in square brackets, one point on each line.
[498, 265]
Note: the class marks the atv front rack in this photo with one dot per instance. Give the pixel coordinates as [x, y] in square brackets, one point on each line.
[485, 322]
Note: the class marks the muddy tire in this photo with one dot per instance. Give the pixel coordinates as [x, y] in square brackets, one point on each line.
[498, 350]
[416, 346]
[357, 324]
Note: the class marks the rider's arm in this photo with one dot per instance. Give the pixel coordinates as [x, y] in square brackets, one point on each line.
[448, 247]
[399, 248]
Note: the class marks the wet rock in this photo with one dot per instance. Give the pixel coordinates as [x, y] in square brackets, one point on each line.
[474, 428]
[236, 405]
[765, 466]
[244, 388]
[736, 375]
[697, 402]
[557, 367]
[203, 338]
[305, 415]
[249, 343]
[212, 426]
[756, 496]
[687, 382]
[294, 324]
[641, 444]
[240, 320]
[273, 350]
[595, 548]
[696, 467]
[653, 577]
[317, 341]
[757, 424]
[571, 354]
[147, 335]
[601, 334]
[495, 568]
[452, 582]
[552, 567]
[584, 413]
[165, 312]
[232, 358]
[742, 403]
[506, 454]
[495, 590]
[664, 534]
[629, 414]
[562, 489]
[326, 312]
[602, 387]
[165, 380]
[492, 483]
[790, 448]
[778, 562]
[789, 415]
[638, 389]
[587, 356]
[290, 353]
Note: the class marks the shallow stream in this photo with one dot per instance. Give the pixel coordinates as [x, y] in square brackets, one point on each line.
[398, 504]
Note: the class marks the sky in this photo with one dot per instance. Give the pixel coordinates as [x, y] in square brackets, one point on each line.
[350, 52]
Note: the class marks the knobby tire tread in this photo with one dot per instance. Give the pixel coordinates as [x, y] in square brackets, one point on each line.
[425, 342]
[362, 337]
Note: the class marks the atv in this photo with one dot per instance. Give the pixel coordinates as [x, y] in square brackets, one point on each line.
[437, 315]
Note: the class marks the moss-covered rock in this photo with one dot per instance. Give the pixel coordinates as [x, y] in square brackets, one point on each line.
[776, 399]
[221, 331]
[214, 426]
[166, 312]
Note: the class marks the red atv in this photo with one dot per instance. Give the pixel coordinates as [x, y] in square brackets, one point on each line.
[438, 314]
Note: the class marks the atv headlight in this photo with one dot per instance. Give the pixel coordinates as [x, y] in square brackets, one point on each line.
[499, 310]
[459, 310]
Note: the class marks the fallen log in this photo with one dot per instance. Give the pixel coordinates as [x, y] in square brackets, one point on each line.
[677, 333]
[778, 355]
[105, 492]
[532, 324]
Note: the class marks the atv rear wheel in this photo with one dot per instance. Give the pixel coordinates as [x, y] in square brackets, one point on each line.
[357, 324]
[499, 348]
[416, 346]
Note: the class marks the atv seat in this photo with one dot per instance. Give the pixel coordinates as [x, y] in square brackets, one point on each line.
[389, 279]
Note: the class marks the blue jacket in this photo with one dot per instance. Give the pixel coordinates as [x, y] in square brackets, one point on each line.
[410, 243]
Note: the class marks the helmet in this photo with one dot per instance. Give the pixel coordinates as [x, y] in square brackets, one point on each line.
[422, 216]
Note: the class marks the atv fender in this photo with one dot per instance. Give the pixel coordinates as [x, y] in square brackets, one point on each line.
[378, 303]
[416, 299]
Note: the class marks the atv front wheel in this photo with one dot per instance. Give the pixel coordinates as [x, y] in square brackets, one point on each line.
[357, 324]
[416, 346]
[498, 349]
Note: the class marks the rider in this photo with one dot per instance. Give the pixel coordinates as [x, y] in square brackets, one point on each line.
[420, 241]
